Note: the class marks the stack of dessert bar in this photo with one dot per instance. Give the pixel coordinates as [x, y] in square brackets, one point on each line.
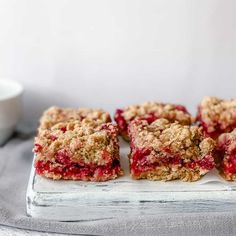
[166, 142]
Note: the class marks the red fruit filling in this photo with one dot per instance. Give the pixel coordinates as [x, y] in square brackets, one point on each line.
[123, 125]
[62, 157]
[140, 162]
[110, 128]
[53, 137]
[120, 120]
[151, 117]
[215, 134]
[63, 129]
[76, 171]
[181, 108]
[206, 163]
[229, 165]
[37, 147]
[227, 155]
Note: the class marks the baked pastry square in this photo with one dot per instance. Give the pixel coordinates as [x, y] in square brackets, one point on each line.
[166, 151]
[150, 111]
[227, 155]
[217, 116]
[78, 150]
[55, 115]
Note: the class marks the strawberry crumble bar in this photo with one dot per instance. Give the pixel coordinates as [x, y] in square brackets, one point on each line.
[217, 116]
[227, 155]
[55, 115]
[166, 151]
[150, 111]
[78, 150]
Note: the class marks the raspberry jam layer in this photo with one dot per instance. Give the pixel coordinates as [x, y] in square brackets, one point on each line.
[121, 122]
[78, 172]
[215, 134]
[140, 162]
[181, 108]
[229, 165]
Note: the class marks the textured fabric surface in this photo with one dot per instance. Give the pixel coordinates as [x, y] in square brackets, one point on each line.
[15, 163]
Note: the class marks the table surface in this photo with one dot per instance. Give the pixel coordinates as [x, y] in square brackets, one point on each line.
[10, 231]
[77, 200]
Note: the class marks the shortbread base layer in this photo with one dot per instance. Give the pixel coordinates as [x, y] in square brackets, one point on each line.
[229, 177]
[167, 174]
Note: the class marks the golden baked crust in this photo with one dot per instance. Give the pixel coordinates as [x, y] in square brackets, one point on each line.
[56, 115]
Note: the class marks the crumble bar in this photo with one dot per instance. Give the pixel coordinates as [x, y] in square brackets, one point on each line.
[217, 116]
[78, 150]
[166, 151]
[151, 111]
[227, 155]
[55, 115]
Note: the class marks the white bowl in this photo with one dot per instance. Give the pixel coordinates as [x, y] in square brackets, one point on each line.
[10, 107]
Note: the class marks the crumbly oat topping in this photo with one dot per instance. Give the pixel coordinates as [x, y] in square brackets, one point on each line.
[169, 111]
[55, 115]
[84, 142]
[215, 112]
[161, 135]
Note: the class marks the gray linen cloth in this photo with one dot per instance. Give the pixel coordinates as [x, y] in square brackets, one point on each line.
[15, 164]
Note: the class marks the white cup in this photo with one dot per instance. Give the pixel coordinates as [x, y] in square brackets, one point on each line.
[10, 107]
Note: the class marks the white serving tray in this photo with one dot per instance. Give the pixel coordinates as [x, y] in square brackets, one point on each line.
[77, 200]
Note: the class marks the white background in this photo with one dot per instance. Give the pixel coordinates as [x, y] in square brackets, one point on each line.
[108, 54]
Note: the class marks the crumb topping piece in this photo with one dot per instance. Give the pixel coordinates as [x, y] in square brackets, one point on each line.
[56, 115]
[83, 142]
[169, 111]
[160, 135]
[218, 113]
